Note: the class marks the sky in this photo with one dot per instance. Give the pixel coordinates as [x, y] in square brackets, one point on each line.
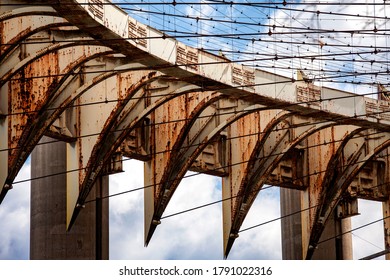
[264, 242]
[261, 32]
[190, 236]
[198, 234]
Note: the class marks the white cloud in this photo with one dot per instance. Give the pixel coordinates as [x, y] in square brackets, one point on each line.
[369, 239]
[340, 30]
[196, 234]
[184, 236]
[192, 235]
[15, 219]
[263, 242]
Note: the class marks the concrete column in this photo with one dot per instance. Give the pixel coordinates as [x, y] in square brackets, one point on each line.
[291, 226]
[290, 202]
[346, 239]
[329, 248]
[386, 225]
[88, 238]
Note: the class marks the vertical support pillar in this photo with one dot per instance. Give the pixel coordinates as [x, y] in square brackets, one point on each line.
[295, 231]
[102, 218]
[329, 247]
[88, 238]
[346, 239]
[291, 224]
[386, 225]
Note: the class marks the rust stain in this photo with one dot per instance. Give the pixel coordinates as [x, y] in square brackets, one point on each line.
[79, 145]
[27, 95]
[73, 64]
[6, 48]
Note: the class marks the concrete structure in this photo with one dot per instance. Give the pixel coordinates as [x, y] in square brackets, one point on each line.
[49, 238]
[109, 86]
[339, 248]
